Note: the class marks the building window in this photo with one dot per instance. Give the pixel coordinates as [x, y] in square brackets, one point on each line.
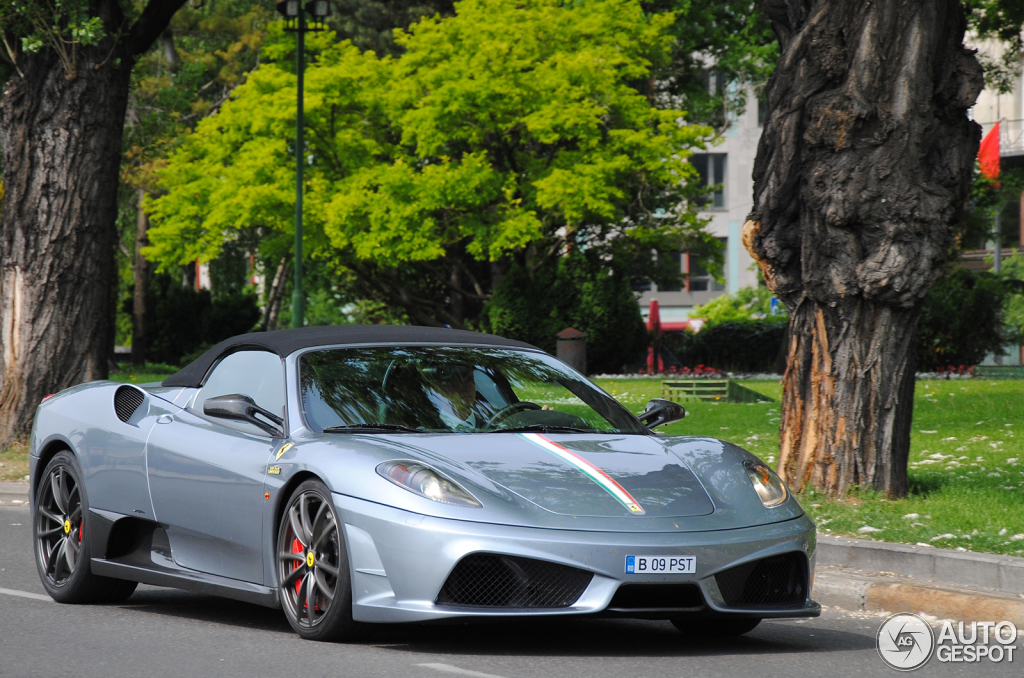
[698, 279]
[711, 168]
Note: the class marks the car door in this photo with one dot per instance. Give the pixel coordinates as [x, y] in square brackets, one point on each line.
[206, 475]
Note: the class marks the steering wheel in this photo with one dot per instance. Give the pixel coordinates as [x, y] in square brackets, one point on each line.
[507, 411]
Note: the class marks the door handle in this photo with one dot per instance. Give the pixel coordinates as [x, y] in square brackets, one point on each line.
[164, 419]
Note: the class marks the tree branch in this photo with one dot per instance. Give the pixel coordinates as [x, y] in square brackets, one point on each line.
[155, 18]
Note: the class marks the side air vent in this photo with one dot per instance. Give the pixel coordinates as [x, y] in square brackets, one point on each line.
[126, 401]
[492, 580]
[776, 581]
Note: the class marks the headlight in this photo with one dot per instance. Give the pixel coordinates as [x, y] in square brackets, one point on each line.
[426, 482]
[769, 487]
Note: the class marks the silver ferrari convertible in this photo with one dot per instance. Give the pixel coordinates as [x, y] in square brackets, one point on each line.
[361, 475]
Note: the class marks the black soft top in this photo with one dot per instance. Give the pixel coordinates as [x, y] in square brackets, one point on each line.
[284, 342]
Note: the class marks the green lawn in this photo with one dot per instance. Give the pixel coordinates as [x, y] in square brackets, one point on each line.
[966, 463]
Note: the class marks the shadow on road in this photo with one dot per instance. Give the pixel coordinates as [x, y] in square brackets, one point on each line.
[561, 637]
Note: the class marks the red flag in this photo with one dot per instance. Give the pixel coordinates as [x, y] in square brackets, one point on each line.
[988, 154]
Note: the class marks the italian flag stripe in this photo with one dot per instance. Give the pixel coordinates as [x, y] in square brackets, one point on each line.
[588, 469]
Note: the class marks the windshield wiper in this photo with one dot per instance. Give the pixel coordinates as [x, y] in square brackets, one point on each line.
[372, 428]
[544, 428]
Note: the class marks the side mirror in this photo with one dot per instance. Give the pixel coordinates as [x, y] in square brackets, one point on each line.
[660, 411]
[242, 408]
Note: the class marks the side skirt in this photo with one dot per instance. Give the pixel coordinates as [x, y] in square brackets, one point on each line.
[198, 582]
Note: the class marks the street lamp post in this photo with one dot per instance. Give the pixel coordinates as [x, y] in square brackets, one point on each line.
[295, 14]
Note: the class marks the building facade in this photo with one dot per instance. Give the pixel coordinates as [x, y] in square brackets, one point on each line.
[731, 164]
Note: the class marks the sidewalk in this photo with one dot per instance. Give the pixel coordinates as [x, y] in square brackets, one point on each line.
[857, 574]
[13, 494]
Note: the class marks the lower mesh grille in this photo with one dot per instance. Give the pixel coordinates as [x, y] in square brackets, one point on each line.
[657, 597]
[778, 580]
[491, 580]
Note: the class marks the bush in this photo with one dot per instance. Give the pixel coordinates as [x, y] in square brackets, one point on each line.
[579, 292]
[962, 319]
[182, 321]
[737, 346]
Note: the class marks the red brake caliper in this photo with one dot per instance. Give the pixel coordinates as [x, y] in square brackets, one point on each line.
[297, 548]
[81, 526]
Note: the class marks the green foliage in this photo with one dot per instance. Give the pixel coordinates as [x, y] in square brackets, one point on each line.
[1013, 311]
[998, 20]
[580, 293]
[749, 303]
[750, 345]
[717, 45]
[510, 131]
[62, 25]
[371, 24]
[962, 320]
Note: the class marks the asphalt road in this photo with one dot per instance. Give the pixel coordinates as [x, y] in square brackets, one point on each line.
[163, 632]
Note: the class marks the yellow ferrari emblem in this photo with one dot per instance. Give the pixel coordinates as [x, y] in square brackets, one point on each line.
[67, 526]
[284, 448]
[310, 559]
[274, 470]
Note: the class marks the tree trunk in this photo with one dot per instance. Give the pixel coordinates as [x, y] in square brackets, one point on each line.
[141, 271]
[274, 297]
[61, 153]
[60, 134]
[861, 172]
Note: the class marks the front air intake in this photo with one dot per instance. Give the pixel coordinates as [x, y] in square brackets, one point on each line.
[492, 580]
[770, 582]
[126, 401]
[656, 597]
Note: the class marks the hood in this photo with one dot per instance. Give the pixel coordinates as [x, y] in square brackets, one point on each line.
[562, 481]
[598, 476]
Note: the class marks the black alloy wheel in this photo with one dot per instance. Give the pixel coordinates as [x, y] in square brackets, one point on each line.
[312, 567]
[60, 526]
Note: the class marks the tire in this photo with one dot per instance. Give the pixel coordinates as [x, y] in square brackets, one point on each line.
[718, 627]
[60, 517]
[316, 596]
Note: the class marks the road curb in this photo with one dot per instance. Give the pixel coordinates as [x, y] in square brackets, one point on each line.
[957, 569]
[853, 592]
[13, 494]
[857, 574]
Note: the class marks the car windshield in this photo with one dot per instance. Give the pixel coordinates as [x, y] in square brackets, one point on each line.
[453, 390]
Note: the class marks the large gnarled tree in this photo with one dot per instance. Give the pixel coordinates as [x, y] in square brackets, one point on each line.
[860, 174]
[61, 123]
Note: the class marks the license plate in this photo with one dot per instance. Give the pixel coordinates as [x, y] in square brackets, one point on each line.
[661, 564]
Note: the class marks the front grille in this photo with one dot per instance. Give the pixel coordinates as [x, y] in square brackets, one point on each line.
[492, 580]
[774, 581]
[657, 597]
[126, 401]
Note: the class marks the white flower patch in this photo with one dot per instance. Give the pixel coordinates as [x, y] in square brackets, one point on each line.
[943, 536]
[994, 474]
[939, 455]
[1017, 537]
[1002, 532]
[962, 448]
[996, 444]
[1011, 460]
[867, 529]
[945, 440]
[927, 431]
[912, 516]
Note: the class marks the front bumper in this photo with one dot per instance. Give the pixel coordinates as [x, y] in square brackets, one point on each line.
[400, 560]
